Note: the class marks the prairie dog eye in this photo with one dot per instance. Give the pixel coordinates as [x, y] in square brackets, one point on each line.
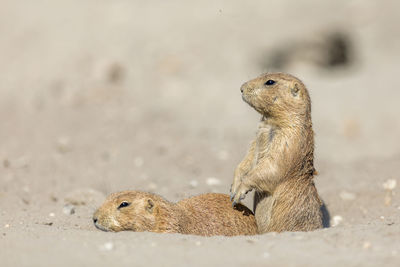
[123, 204]
[269, 82]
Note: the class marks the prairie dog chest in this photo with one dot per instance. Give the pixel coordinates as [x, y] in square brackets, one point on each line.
[265, 136]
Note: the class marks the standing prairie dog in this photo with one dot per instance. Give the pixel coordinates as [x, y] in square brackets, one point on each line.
[279, 164]
[206, 215]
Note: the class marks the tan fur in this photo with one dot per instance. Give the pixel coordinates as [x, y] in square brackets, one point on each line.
[207, 215]
[279, 164]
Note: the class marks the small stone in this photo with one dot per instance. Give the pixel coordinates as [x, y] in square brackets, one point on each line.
[366, 245]
[222, 155]
[390, 184]
[213, 181]
[198, 243]
[193, 183]
[69, 209]
[347, 195]
[107, 246]
[363, 210]
[51, 214]
[115, 73]
[152, 186]
[26, 189]
[6, 163]
[7, 226]
[63, 144]
[138, 161]
[22, 163]
[336, 220]
[382, 217]
[266, 255]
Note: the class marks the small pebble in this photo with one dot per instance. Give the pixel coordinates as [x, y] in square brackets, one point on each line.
[223, 155]
[21, 163]
[152, 186]
[115, 73]
[107, 246]
[26, 189]
[138, 161]
[6, 225]
[52, 214]
[347, 195]
[363, 210]
[390, 184]
[266, 255]
[382, 217]
[366, 245]
[198, 243]
[213, 181]
[336, 220]
[193, 183]
[63, 144]
[69, 209]
[6, 163]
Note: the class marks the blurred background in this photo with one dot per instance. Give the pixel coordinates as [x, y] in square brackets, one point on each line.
[113, 95]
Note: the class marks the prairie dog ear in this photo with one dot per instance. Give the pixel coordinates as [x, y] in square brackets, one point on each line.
[295, 89]
[149, 206]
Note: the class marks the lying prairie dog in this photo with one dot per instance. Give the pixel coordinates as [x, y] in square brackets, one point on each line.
[206, 215]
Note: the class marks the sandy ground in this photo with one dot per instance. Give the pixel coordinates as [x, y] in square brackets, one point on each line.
[101, 96]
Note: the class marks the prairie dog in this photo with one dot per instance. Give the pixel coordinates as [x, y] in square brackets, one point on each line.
[279, 164]
[206, 215]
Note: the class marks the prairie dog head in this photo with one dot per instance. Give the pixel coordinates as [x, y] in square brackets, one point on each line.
[277, 95]
[127, 210]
